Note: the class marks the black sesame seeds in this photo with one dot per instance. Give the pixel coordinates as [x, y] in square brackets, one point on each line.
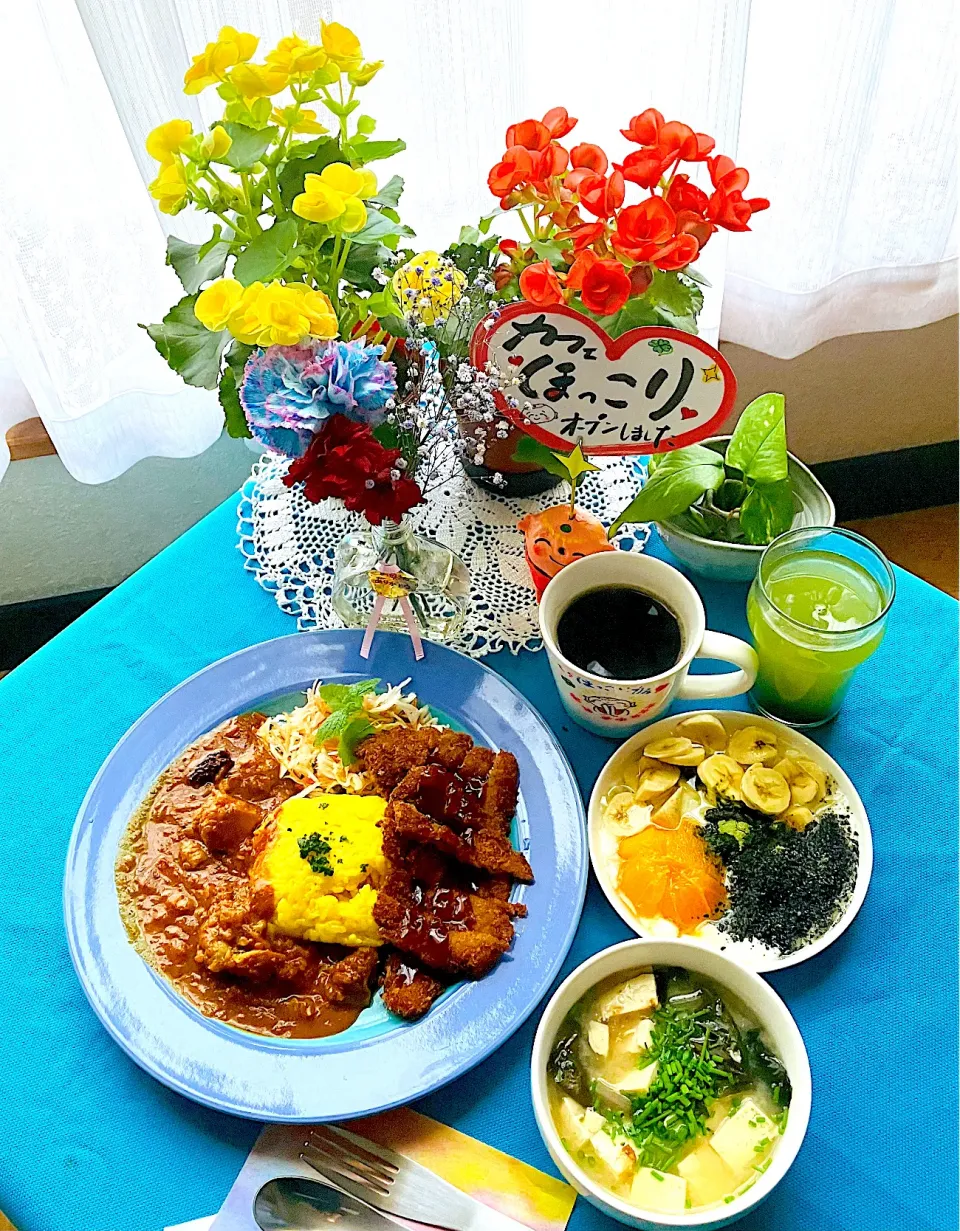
[786, 887]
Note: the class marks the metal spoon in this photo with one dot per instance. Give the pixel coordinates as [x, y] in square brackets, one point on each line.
[296, 1204]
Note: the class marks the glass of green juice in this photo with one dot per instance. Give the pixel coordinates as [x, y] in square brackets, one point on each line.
[817, 609]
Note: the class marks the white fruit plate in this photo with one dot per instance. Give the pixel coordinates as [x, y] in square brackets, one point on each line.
[752, 954]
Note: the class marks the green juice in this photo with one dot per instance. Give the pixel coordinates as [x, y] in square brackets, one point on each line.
[813, 625]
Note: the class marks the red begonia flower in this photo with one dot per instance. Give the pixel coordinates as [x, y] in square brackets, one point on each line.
[601, 197]
[645, 167]
[682, 195]
[679, 252]
[640, 278]
[644, 128]
[514, 170]
[508, 246]
[725, 174]
[689, 222]
[558, 122]
[680, 141]
[583, 235]
[605, 287]
[540, 285]
[578, 270]
[546, 163]
[531, 134]
[590, 156]
[643, 229]
[730, 211]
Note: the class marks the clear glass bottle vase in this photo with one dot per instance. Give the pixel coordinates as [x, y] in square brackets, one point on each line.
[434, 579]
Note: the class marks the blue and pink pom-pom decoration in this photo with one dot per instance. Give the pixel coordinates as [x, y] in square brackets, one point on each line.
[288, 391]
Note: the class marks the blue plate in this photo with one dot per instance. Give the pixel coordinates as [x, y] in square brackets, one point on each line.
[379, 1062]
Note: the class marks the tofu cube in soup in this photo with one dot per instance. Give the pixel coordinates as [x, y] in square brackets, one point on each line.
[708, 1177]
[593, 1121]
[571, 1125]
[637, 995]
[638, 1081]
[744, 1138]
[641, 1036]
[598, 1036]
[616, 1155]
[659, 1190]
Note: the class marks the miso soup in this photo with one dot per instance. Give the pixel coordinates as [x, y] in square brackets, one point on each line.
[666, 1091]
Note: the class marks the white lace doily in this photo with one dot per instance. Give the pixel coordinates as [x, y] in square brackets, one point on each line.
[289, 544]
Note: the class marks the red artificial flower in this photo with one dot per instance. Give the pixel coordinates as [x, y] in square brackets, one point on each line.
[605, 288]
[643, 230]
[590, 156]
[583, 235]
[644, 128]
[601, 197]
[558, 122]
[540, 285]
[346, 461]
[678, 253]
[645, 167]
[514, 170]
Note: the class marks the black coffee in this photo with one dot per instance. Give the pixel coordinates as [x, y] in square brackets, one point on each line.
[619, 632]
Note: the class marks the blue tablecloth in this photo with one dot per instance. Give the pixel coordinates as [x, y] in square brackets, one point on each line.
[90, 1143]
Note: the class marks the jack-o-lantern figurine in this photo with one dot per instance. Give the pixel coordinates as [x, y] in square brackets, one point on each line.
[556, 537]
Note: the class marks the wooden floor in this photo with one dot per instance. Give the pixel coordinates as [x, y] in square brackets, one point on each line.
[924, 542]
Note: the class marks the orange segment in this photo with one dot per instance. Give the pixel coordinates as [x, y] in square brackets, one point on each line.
[672, 875]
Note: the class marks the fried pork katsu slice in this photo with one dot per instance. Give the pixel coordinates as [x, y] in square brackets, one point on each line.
[441, 944]
[390, 754]
[408, 989]
[486, 850]
[452, 747]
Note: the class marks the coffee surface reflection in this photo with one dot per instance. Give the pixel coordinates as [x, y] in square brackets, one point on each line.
[620, 633]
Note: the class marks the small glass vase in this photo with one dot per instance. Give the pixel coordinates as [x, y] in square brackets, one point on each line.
[433, 577]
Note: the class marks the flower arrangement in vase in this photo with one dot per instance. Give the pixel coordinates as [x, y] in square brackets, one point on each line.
[289, 309]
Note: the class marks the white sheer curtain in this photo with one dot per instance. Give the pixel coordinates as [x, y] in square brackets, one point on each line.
[844, 111]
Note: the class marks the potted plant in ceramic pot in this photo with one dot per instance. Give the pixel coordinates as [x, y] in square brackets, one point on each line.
[718, 504]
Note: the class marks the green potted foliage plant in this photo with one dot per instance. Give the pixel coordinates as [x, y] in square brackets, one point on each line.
[718, 504]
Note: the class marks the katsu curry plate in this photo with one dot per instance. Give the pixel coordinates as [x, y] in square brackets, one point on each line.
[299, 890]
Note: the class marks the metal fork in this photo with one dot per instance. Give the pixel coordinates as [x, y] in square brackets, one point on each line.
[395, 1184]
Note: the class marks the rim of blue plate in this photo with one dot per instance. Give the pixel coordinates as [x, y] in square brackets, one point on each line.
[532, 978]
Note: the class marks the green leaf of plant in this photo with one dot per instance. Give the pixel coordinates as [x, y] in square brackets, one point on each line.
[233, 416]
[387, 435]
[333, 725]
[267, 254]
[248, 145]
[366, 124]
[679, 479]
[189, 347]
[390, 193]
[357, 729]
[729, 495]
[372, 151]
[193, 266]
[758, 446]
[634, 314]
[767, 511]
[362, 260]
[337, 696]
[533, 452]
[378, 226]
[294, 170]
[673, 295]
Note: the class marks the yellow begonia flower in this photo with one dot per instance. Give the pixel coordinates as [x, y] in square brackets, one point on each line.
[281, 315]
[232, 47]
[216, 143]
[341, 45]
[258, 80]
[365, 73]
[167, 139]
[300, 121]
[335, 196]
[296, 57]
[428, 286]
[216, 304]
[169, 189]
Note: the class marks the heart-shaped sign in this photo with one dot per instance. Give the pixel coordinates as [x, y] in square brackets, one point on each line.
[565, 381]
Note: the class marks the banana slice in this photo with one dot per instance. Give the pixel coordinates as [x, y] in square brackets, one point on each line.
[765, 789]
[797, 817]
[675, 750]
[704, 729]
[654, 782]
[811, 768]
[803, 786]
[722, 774]
[615, 809]
[670, 812]
[752, 746]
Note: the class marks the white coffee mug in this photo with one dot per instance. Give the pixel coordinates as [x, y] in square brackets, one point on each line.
[620, 707]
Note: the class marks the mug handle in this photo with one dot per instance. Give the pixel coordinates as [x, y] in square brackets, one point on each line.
[729, 650]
